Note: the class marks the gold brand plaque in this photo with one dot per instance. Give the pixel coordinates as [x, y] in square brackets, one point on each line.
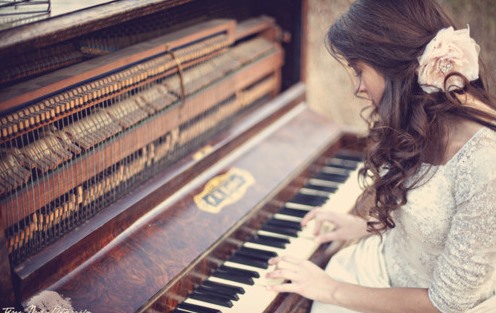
[223, 190]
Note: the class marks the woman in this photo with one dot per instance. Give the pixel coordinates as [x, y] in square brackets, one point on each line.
[428, 241]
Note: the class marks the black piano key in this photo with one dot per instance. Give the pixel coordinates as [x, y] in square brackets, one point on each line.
[249, 261]
[211, 298]
[270, 241]
[233, 277]
[293, 212]
[349, 156]
[322, 188]
[239, 271]
[218, 292]
[331, 177]
[309, 199]
[230, 288]
[280, 230]
[257, 253]
[342, 163]
[284, 223]
[196, 308]
[335, 170]
[236, 278]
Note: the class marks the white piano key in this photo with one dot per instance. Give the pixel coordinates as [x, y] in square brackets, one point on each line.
[313, 192]
[252, 292]
[287, 217]
[268, 233]
[263, 247]
[229, 282]
[345, 197]
[206, 304]
[256, 300]
[298, 206]
[324, 183]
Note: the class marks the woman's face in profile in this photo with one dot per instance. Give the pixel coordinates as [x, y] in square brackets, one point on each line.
[369, 83]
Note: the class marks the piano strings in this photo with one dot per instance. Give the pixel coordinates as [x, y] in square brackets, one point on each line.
[93, 122]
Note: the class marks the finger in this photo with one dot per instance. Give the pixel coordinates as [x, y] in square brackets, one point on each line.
[317, 228]
[284, 274]
[309, 216]
[288, 287]
[328, 227]
[292, 260]
[321, 219]
[274, 260]
[327, 237]
[287, 265]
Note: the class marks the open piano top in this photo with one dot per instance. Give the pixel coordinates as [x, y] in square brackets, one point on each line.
[133, 169]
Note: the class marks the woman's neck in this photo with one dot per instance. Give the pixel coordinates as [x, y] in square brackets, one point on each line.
[460, 130]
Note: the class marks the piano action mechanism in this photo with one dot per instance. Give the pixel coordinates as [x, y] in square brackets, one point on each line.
[148, 151]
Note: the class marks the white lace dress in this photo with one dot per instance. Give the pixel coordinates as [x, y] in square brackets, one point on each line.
[444, 239]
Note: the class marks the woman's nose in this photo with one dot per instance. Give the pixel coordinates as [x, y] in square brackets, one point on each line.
[360, 87]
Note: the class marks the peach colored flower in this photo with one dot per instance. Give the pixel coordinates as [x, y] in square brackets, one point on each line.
[449, 51]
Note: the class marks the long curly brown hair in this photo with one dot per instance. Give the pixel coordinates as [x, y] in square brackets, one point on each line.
[408, 127]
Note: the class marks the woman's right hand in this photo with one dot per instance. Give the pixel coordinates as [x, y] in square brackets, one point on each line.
[346, 226]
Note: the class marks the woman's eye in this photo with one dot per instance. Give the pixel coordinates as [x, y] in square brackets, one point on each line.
[355, 70]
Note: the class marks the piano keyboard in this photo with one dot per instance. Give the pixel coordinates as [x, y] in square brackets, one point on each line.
[239, 284]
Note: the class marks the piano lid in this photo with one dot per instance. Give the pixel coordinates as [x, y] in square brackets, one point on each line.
[47, 21]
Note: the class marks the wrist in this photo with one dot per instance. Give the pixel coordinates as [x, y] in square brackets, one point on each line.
[336, 294]
[363, 232]
[329, 296]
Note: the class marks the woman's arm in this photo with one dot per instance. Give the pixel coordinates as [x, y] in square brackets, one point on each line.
[310, 281]
[383, 300]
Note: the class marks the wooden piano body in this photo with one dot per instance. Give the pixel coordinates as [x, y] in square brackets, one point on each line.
[130, 174]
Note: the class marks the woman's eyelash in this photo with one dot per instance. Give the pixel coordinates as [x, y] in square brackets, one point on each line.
[356, 71]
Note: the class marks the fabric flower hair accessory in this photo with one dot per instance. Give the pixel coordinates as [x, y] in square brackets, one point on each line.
[449, 51]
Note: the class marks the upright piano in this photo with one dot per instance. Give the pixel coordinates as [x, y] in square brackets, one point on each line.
[155, 154]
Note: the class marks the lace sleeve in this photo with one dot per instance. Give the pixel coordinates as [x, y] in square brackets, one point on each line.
[465, 272]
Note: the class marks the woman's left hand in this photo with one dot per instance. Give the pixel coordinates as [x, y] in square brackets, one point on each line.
[304, 278]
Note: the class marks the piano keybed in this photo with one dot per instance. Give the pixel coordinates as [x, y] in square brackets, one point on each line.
[238, 284]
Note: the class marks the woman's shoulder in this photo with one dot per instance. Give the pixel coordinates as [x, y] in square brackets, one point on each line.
[481, 148]
[470, 141]
[475, 144]
[474, 164]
